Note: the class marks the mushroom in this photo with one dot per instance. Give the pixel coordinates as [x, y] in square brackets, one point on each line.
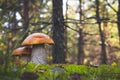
[37, 40]
[23, 53]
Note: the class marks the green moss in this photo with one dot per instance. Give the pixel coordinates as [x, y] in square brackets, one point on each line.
[63, 72]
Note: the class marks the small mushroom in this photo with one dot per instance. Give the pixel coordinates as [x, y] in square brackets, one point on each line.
[37, 40]
[23, 52]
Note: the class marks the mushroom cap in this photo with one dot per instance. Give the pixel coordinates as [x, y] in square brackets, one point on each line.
[21, 51]
[37, 38]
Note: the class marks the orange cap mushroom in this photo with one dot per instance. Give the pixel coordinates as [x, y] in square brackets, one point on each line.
[37, 38]
[21, 51]
[38, 54]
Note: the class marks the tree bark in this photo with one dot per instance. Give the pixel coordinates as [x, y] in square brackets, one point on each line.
[103, 47]
[58, 54]
[81, 54]
[25, 18]
[118, 19]
[26, 14]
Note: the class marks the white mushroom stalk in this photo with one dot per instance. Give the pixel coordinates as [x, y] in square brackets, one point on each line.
[37, 40]
[39, 54]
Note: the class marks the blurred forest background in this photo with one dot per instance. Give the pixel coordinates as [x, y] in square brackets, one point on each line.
[84, 31]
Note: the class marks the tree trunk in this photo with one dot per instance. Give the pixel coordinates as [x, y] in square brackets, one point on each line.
[26, 14]
[25, 18]
[118, 19]
[58, 32]
[81, 54]
[103, 47]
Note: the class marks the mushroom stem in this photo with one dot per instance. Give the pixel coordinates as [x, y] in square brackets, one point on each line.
[26, 58]
[39, 54]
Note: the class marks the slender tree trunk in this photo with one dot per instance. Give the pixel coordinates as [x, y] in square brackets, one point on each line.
[118, 19]
[81, 54]
[25, 18]
[26, 14]
[58, 54]
[103, 47]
